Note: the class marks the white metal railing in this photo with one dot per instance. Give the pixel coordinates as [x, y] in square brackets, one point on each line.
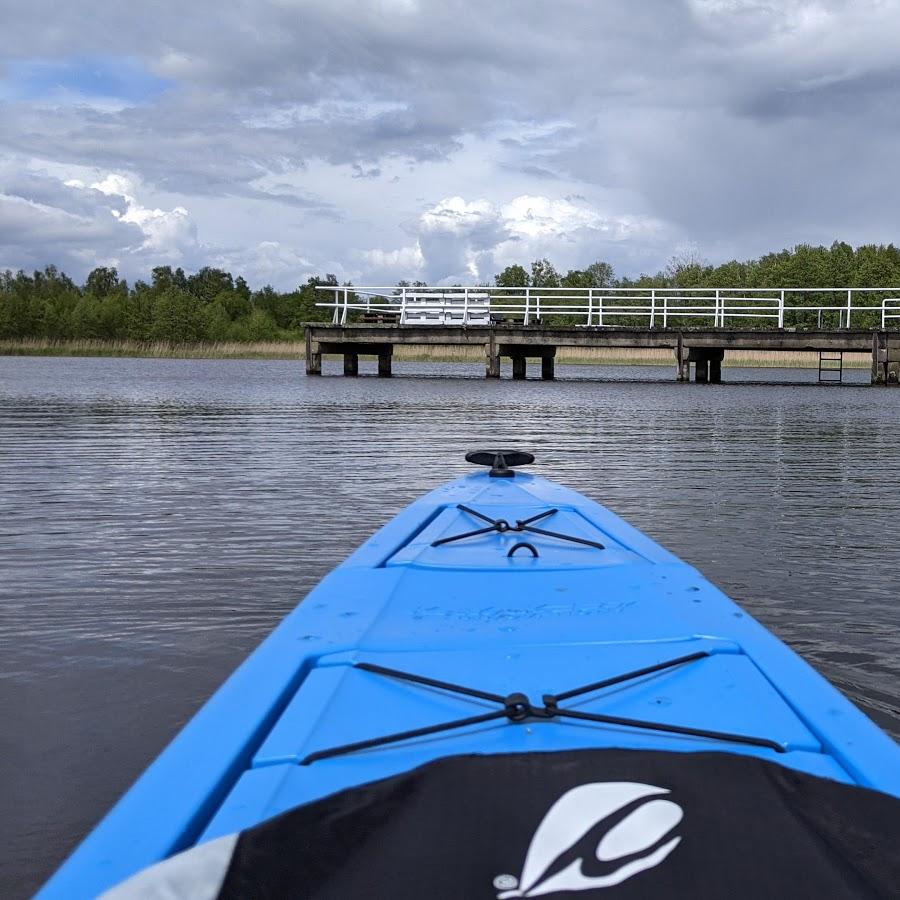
[890, 309]
[607, 307]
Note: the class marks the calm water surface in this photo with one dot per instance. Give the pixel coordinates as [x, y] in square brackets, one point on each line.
[159, 517]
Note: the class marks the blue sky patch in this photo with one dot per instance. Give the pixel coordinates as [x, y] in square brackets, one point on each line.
[124, 80]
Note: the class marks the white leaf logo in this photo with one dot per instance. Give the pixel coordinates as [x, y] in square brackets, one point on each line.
[577, 813]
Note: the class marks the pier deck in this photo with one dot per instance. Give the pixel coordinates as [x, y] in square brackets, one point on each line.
[695, 351]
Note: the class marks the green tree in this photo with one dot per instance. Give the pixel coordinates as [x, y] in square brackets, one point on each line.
[175, 317]
[512, 277]
[601, 274]
[163, 278]
[102, 281]
[576, 278]
[216, 323]
[138, 325]
[543, 274]
[209, 283]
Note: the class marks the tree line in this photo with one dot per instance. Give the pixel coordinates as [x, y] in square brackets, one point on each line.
[804, 266]
[212, 305]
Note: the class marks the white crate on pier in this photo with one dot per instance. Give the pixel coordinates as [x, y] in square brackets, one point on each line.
[449, 308]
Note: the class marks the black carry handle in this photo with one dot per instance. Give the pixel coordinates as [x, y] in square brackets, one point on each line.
[500, 461]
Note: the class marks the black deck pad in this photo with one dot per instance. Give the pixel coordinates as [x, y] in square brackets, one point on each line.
[579, 825]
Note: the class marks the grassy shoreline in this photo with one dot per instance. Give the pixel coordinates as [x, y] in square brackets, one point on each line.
[295, 350]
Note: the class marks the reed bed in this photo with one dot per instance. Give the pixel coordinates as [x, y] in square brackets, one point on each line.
[155, 349]
[433, 353]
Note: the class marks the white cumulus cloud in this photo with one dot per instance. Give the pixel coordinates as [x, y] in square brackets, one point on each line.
[168, 234]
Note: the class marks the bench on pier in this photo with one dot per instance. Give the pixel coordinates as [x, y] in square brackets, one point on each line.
[380, 318]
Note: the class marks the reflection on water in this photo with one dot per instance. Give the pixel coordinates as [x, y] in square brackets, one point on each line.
[159, 517]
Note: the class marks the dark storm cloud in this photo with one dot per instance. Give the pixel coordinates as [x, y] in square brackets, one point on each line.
[740, 125]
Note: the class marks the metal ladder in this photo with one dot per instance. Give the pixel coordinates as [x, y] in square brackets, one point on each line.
[831, 366]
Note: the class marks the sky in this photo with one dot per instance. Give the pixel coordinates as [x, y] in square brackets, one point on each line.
[387, 139]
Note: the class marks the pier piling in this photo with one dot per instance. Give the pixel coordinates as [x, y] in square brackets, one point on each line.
[547, 366]
[492, 358]
[707, 364]
[313, 355]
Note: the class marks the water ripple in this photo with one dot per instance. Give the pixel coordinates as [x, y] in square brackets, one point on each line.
[159, 517]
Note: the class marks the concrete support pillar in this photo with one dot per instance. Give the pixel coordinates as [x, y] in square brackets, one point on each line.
[313, 356]
[547, 366]
[519, 364]
[351, 363]
[701, 371]
[682, 365]
[708, 364]
[384, 364]
[877, 370]
[492, 359]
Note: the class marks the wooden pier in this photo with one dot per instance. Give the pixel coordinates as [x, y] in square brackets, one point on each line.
[698, 352]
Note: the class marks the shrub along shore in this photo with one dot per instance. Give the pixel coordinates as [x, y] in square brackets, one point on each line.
[295, 350]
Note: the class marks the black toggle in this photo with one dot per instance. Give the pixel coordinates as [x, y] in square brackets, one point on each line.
[518, 708]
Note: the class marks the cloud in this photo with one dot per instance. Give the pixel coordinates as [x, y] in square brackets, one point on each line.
[463, 241]
[102, 222]
[43, 220]
[268, 262]
[168, 235]
[742, 125]
[404, 263]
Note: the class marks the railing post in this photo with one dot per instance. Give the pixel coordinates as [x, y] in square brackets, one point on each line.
[344, 314]
[465, 306]
[781, 310]
[527, 303]
[849, 305]
[600, 311]
[403, 306]
[666, 311]
[590, 320]
[720, 313]
[336, 316]
[652, 306]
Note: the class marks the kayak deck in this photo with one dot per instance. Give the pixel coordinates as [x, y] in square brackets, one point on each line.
[599, 600]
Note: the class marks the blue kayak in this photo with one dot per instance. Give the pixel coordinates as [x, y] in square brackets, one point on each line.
[501, 617]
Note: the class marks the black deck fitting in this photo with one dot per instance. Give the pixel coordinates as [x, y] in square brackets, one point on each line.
[500, 461]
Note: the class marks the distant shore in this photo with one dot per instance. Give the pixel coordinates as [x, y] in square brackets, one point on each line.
[295, 350]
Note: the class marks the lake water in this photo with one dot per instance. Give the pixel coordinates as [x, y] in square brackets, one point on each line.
[159, 517]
